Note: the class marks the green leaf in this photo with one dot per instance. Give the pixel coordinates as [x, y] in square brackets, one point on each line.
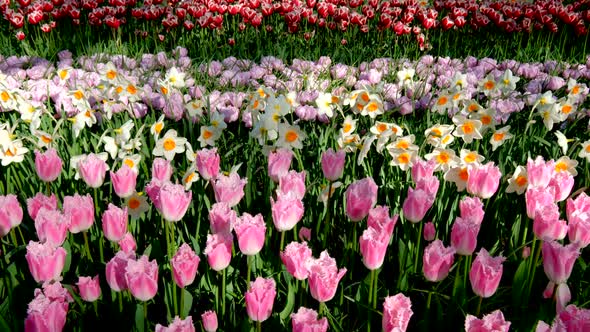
[188, 303]
[519, 286]
[290, 303]
[139, 318]
[68, 261]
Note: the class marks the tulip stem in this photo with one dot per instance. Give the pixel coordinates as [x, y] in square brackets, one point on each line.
[96, 202]
[223, 292]
[181, 303]
[249, 260]
[145, 314]
[87, 246]
[428, 301]
[259, 326]
[321, 311]
[375, 289]
[419, 237]
[478, 306]
[48, 188]
[101, 249]
[13, 238]
[371, 287]
[327, 221]
[95, 304]
[534, 267]
[467, 269]
[282, 240]
[120, 302]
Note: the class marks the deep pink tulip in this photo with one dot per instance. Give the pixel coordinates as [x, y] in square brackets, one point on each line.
[373, 245]
[379, 220]
[89, 288]
[209, 319]
[251, 231]
[429, 231]
[306, 320]
[218, 250]
[324, 277]
[142, 278]
[161, 169]
[536, 198]
[558, 260]
[304, 234]
[492, 322]
[416, 204]
[292, 184]
[124, 181]
[114, 223]
[184, 266]
[483, 180]
[295, 257]
[34, 204]
[361, 196]
[92, 170]
[174, 201]
[286, 212]
[48, 165]
[464, 236]
[208, 163]
[422, 169]
[547, 225]
[81, 211]
[539, 172]
[333, 164]
[397, 311]
[562, 184]
[11, 213]
[127, 243]
[279, 162]
[229, 189]
[472, 209]
[485, 274]
[48, 310]
[115, 270]
[178, 325]
[260, 298]
[52, 226]
[222, 218]
[437, 261]
[45, 261]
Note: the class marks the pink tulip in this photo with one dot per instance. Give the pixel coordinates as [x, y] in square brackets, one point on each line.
[114, 223]
[562, 183]
[416, 205]
[437, 261]
[209, 319]
[304, 234]
[48, 310]
[81, 211]
[115, 270]
[260, 298]
[142, 278]
[464, 236]
[178, 325]
[218, 250]
[279, 162]
[536, 198]
[174, 201]
[429, 185]
[286, 212]
[208, 163]
[306, 320]
[379, 220]
[361, 196]
[397, 311]
[292, 184]
[483, 180]
[562, 297]
[573, 319]
[48, 165]
[34, 204]
[295, 257]
[52, 226]
[184, 266]
[152, 189]
[45, 261]
[333, 164]
[324, 277]
[89, 288]
[124, 181]
[539, 172]
[161, 169]
[373, 246]
[127, 243]
[251, 233]
[422, 169]
[547, 225]
[11, 213]
[579, 205]
[472, 209]
[578, 230]
[229, 189]
[493, 322]
[558, 260]
[485, 274]
[92, 170]
[429, 231]
[222, 218]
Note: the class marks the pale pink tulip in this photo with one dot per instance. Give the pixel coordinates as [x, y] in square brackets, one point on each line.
[34, 204]
[48, 165]
[379, 220]
[416, 205]
[229, 189]
[464, 236]
[178, 325]
[124, 181]
[174, 201]
[89, 288]
[373, 245]
[161, 169]
[306, 320]
[324, 277]
[251, 233]
[52, 226]
[304, 234]
[539, 172]
[483, 180]
[279, 162]
[422, 169]
[209, 319]
[485, 274]
[142, 278]
[437, 261]
[184, 266]
[115, 270]
[114, 223]
[45, 261]
[286, 212]
[208, 163]
[81, 211]
[127, 243]
[492, 322]
[547, 225]
[218, 250]
[361, 196]
[11, 213]
[292, 184]
[536, 198]
[222, 218]
[559, 260]
[48, 310]
[260, 298]
[333, 164]
[472, 209]
[92, 169]
[295, 257]
[429, 231]
[397, 311]
[562, 183]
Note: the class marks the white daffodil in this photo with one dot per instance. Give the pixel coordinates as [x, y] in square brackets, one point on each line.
[367, 142]
[459, 82]
[562, 141]
[565, 164]
[439, 135]
[445, 158]
[373, 108]
[132, 161]
[507, 82]
[218, 121]
[157, 127]
[585, 151]
[348, 126]
[332, 188]
[470, 157]
[290, 136]
[466, 128]
[457, 174]
[471, 106]
[109, 74]
[500, 136]
[110, 146]
[519, 181]
[12, 152]
[169, 145]
[349, 143]
[403, 159]
[488, 86]
[405, 77]
[189, 177]
[175, 78]
[195, 107]
[443, 103]
[82, 120]
[487, 117]
[326, 103]
[209, 135]
[404, 143]
[136, 205]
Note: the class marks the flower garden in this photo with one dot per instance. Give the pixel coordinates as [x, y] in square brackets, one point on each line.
[262, 165]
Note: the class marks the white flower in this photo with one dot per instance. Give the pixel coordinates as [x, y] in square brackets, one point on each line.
[470, 157]
[562, 141]
[459, 81]
[324, 194]
[439, 135]
[458, 174]
[367, 142]
[348, 127]
[157, 127]
[175, 78]
[82, 120]
[404, 159]
[124, 132]
[445, 158]
[218, 121]
[488, 86]
[194, 108]
[136, 205]
[499, 137]
[110, 146]
[443, 103]
[169, 145]
[585, 152]
[519, 181]
[12, 152]
[404, 143]
[508, 82]
[290, 136]
[466, 128]
[565, 164]
[132, 162]
[109, 74]
[373, 108]
[405, 77]
[326, 102]
[189, 177]
[209, 135]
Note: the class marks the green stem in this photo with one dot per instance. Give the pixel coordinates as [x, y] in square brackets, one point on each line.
[13, 238]
[249, 260]
[87, 246]
[95, 304]
[371, 282]
[467, 268]
[375, 289]
[48, 188]
[478, 306]
[181, 303]
[327, 221]
[259, 326]
[419, 238]
[534, 268]
[120, 302]
[145, 314]
[282, 240]
[428, 301]
[223, 292]
[96, 207]
[321, 311]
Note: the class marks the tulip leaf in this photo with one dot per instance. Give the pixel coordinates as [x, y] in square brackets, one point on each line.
[68, 261]
[290, 303]
[139, 318]
[188, 302]
[518, 283]
[148, 250]
[4, 324]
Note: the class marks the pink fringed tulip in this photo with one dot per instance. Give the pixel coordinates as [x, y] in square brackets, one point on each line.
[124, 181]
[579, 229]
[286, 212]
[464, 236]
[295, 257]
[142, 278]
[81, 211]
[333, 164]
[558, 260]
[89, 288]
[174, 201]
[324, 277]
[306, 320]
[11, 213]
[539, 172]
[115, 270]
[397, 311]
[485, 274]
[562, 184]
[218, 250]
[127, 243]
[562, 297]
[184, 266]
[373, 245]
[34, 204]
[209, 319]
[114, 223]
[45, 261]
[48, 165]
[292, 184]
[52, 226]
[422, 169]
[536, 198]
[493, 322]
[547, 225]
[579, 205]
[92, 169]
[416, 205]
[472, 209]
[48, 310]
[251, 233]
[208, 163]
[222, 218]
[229, 189]
[379, 220]
[178, 325]
[429, 185]
[279, 162]
[483, 180]
[161, 169]
[429, 231]
[437, 261]
[260, 298]
[304, 234]
[361, 196]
